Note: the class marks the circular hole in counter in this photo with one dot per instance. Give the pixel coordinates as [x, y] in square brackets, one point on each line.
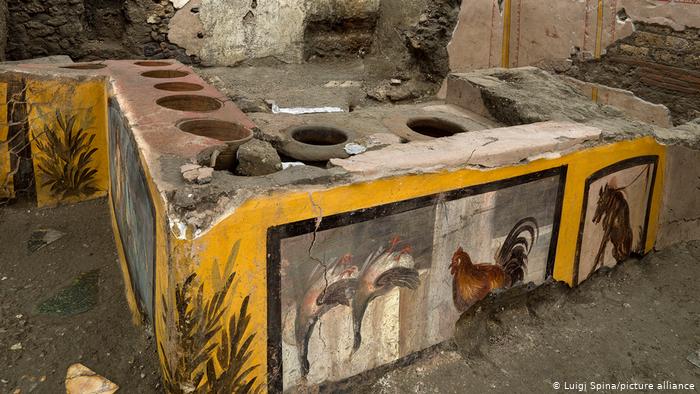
[179, 86]
[86, 66]
[319, 135]
[151, 63]
[217, 129]
[190, 102]
[165, 74]
[435, 127]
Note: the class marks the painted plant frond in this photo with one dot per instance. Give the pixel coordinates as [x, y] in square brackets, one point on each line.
[67, 158]
[204, 338]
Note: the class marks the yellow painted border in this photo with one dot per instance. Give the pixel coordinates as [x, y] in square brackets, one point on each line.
[162, 275]
[505, 47]
[128, 290]
[7, 187]
[598, 44]
[89, 99]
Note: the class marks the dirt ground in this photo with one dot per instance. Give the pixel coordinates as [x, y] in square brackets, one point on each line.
[103, 338]
[348, 84]
[636, 323]
[295, 85]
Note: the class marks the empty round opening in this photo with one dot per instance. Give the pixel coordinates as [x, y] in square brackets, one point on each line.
[165, 74]
[86, 66]
[217, 129]
[435, 127]
[319, 135]
[179, 86]
[149, 63]
[189, 102]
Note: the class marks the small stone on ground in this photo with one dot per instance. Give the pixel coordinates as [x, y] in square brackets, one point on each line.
[82, 380]
[43, 237]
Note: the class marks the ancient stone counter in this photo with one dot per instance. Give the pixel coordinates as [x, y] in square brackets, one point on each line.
[316, 273]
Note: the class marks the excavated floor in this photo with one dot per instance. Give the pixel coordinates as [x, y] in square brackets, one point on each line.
[343, 83]
[102, 338]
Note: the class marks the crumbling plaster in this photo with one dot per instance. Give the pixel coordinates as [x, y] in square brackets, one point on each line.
[680, 211]
[235, 30]
[228, 32]
[544, 33]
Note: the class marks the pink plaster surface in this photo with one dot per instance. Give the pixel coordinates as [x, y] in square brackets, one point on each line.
[155, 127]
[488, 148]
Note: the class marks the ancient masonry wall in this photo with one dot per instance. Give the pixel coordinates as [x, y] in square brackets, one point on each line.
[657, 63]
[405, 34]
[229, 32]
[648, 47]
[216, 32]
[87, 30]
[3, 29]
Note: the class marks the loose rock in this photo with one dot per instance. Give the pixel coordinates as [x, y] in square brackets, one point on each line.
[256, 158]
[194, 173]
[82, 380]
[43, 237]
[249, 105]
[389, 91]
[694, 358]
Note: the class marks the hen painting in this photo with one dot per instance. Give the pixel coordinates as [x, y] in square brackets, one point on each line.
[472, 282]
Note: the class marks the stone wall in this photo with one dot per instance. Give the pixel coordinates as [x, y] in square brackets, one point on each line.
[88, 30]
[229, 32]
[647, 46]
[516, 33]
[409, 34]
[3, 29]
[657, 63]
[45, 28]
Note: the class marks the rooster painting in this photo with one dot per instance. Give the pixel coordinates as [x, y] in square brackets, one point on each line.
[332, 284]
[472, 282]
[381, 272]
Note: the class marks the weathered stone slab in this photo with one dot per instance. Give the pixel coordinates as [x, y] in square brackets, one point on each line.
[487, 148]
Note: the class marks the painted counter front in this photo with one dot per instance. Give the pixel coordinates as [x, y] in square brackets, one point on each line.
[68, 134]
[319, 285]
[6, 173]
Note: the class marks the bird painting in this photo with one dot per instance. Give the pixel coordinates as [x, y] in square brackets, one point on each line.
[382, 271]
[472, 282]
[331, 285]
